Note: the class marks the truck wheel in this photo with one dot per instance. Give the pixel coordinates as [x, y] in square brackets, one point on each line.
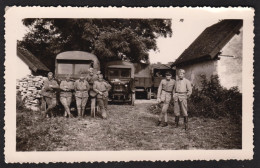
[133, 99]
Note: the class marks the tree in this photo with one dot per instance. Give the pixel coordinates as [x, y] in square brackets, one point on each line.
[109, 39]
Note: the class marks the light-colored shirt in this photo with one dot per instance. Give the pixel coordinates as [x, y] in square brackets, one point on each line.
[49, 87]
[183, 86]
[66, 85]
[101, 86]
[166, 85]
[81, 85]
[81, 88]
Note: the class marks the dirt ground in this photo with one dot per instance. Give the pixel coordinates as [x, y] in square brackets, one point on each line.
[127, 128]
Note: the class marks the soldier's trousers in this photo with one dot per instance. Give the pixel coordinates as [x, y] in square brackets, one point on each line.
[51, 102]
[180, 104]
[66, 101]
[165, 98]
[81, 103]
[101, 104]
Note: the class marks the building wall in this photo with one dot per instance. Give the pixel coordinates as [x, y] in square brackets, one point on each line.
[193, 72]
[230, 68]
[21, 68]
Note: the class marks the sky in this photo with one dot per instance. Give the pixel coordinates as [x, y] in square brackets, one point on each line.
[183, 34]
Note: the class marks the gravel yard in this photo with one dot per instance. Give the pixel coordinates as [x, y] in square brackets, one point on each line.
[127, 128]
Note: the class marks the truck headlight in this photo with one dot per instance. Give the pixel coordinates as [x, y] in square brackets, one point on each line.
[125, 85]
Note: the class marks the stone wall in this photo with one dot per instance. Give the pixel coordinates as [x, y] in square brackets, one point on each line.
[29, 88]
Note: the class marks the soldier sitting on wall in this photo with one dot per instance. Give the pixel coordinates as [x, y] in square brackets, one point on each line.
[101, 87]
[81, 87]
[164, 97]
[66, 87]
[49, 89]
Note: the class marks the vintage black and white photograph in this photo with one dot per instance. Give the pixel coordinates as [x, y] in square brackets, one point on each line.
[129, 83]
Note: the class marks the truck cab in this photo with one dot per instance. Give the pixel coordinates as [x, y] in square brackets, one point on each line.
[120, 75]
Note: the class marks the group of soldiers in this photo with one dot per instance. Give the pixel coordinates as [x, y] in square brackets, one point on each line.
[93, 85]
[179, 91]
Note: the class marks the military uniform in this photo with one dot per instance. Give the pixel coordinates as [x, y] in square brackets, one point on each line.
[81, 94]
[91, 79]
[104, 87]
[165, 94]
[66, 95]
[49, 94]
[181, 92]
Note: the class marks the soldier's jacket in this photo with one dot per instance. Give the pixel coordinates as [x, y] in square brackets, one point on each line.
[49, 91]
[101, 86]
[166, 86]
[182, 89]
[81, 88]
[66, 85]
[91, 79]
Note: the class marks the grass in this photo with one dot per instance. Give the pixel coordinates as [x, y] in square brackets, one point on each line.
[127, 128]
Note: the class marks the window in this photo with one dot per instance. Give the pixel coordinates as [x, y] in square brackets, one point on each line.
[114, 72]
[81, 68]
[64, 68]
[125, 73]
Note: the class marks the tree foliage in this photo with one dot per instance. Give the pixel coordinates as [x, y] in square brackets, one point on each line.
[109, 39]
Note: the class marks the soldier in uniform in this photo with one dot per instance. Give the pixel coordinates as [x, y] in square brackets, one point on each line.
[91, 78]
[66, 87]
[164, 97]
[181, 92]
[49, 89]
[81, 87]
[101, 87]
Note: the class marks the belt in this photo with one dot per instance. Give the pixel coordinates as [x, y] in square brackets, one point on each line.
[181, 92]
[167, 91]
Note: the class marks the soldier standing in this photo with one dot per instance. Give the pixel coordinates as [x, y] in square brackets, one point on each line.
[101, 87]
[66, 87]
[81, 87]
[91, 78]
[181, 92]
[164, 97]
[49, 93]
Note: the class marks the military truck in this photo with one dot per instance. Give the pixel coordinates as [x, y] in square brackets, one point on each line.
[120, 75]
[143, 80]
[75, 63]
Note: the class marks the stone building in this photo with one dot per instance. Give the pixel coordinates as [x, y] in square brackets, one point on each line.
[216, 51]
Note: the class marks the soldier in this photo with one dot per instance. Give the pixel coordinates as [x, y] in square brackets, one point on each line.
[49, 93]
[181, 92]
[66, 87]
[164, 97]
[91, 78]
[101, 87]
[81, 87]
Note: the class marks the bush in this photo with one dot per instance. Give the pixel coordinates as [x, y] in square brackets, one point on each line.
[212, 100]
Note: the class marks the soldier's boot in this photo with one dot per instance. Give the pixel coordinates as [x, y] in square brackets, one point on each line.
[177, 118]
[186, 123]
[164, 124]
